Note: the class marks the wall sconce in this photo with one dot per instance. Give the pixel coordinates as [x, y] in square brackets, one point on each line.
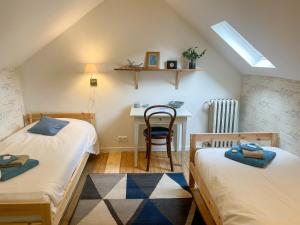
[92, 69]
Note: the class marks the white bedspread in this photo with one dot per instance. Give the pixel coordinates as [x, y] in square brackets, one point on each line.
[252, 196]
[58, 155]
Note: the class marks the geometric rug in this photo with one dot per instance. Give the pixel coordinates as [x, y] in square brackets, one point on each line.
[137, 199]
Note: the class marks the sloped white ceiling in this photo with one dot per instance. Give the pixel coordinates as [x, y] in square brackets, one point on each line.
[28, 25]
[272, 26]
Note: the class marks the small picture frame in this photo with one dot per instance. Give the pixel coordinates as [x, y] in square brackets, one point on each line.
[152, 60]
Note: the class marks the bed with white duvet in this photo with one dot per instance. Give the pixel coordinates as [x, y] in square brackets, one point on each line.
[252, 196]
[58, 158]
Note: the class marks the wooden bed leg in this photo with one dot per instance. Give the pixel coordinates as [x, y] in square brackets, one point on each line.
[191, 182]
[46, 214]
[192, 158]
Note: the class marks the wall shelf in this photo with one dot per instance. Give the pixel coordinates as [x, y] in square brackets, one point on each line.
[178, 73]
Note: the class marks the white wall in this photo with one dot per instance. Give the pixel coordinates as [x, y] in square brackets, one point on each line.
[272, 104]
[11, 103]
[27, 26]
[53, 78]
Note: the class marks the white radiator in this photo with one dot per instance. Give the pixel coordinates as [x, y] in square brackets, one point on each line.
[223, 117]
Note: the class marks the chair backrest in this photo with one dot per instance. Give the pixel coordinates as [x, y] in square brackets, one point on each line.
[171, 112]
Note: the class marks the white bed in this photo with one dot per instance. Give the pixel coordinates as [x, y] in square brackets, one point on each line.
[58, 158]
[252, 196]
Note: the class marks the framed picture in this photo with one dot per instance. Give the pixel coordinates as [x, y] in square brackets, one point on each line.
[152, 60]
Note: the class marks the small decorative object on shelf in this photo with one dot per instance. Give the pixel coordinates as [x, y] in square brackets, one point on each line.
[192, 55]
[152, 60]
[171, 64]
[132, 65]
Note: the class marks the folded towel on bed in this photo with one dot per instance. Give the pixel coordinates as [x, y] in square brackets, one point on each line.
[236, 154]
[20, 160]
[8, 173]
[251, 147]
[6, 159]
[253, 154]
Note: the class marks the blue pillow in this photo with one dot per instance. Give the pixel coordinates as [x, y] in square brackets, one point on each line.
[48, 126]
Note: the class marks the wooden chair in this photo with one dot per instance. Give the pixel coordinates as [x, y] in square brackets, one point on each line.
[159, 132]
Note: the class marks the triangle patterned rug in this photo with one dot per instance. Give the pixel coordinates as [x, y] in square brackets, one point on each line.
[140, 199]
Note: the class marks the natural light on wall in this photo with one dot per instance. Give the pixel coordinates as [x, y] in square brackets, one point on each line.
[235, 40]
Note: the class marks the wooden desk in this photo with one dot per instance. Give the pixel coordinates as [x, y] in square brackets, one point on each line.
[181, 121]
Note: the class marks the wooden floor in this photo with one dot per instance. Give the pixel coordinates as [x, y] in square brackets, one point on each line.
[123, 162]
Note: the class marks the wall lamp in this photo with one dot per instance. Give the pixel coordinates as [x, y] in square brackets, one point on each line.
[92, 69]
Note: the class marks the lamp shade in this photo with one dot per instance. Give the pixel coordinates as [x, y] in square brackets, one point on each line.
[90, 69]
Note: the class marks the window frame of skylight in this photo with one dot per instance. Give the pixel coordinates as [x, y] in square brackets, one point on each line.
[241, 46]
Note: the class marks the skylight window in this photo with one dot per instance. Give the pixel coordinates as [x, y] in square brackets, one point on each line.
[236, 41]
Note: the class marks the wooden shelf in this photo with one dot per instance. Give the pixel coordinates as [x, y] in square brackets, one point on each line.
[177, 71]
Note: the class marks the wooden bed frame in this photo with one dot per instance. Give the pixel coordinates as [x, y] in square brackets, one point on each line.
[41, 209]
[198, 187]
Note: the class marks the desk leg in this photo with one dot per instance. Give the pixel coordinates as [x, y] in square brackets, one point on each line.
[183, 135]
[136, 143]
[184, 123]
[176, 137]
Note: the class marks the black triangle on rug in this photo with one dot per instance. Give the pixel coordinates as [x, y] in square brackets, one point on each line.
[89, 190]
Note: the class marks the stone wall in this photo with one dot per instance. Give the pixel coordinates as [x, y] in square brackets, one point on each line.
[272, 104]
[11, 103]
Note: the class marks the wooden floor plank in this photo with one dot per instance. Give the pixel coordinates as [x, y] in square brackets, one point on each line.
[129, 162]
[142, 163]
[123, 164]
[113, 162]
[164, 162]
[102, 163]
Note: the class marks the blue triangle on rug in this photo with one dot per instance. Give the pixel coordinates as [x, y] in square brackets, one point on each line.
[133, 191]
[179, 179]
[143, 183]
[89, 190]
[149, 214]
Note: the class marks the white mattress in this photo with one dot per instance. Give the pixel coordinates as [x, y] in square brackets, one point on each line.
[252, 196]
[58, 158]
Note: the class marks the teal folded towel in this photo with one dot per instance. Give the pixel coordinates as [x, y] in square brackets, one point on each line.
[8, 173]
[251, 147]
[237, 155]
[6, 159]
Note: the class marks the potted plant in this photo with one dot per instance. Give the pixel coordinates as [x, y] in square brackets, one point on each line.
[192, 55]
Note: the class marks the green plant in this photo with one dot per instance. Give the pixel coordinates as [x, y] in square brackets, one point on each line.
[192, 55]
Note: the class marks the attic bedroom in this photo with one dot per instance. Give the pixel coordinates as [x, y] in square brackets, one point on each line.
[157, 112]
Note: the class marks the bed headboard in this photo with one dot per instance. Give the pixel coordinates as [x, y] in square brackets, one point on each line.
[33, 117]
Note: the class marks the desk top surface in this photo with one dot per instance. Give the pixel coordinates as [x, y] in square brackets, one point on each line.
[139, 112]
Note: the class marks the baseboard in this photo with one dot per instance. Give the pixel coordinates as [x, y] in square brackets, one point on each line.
[118, 149]
[131, 149]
